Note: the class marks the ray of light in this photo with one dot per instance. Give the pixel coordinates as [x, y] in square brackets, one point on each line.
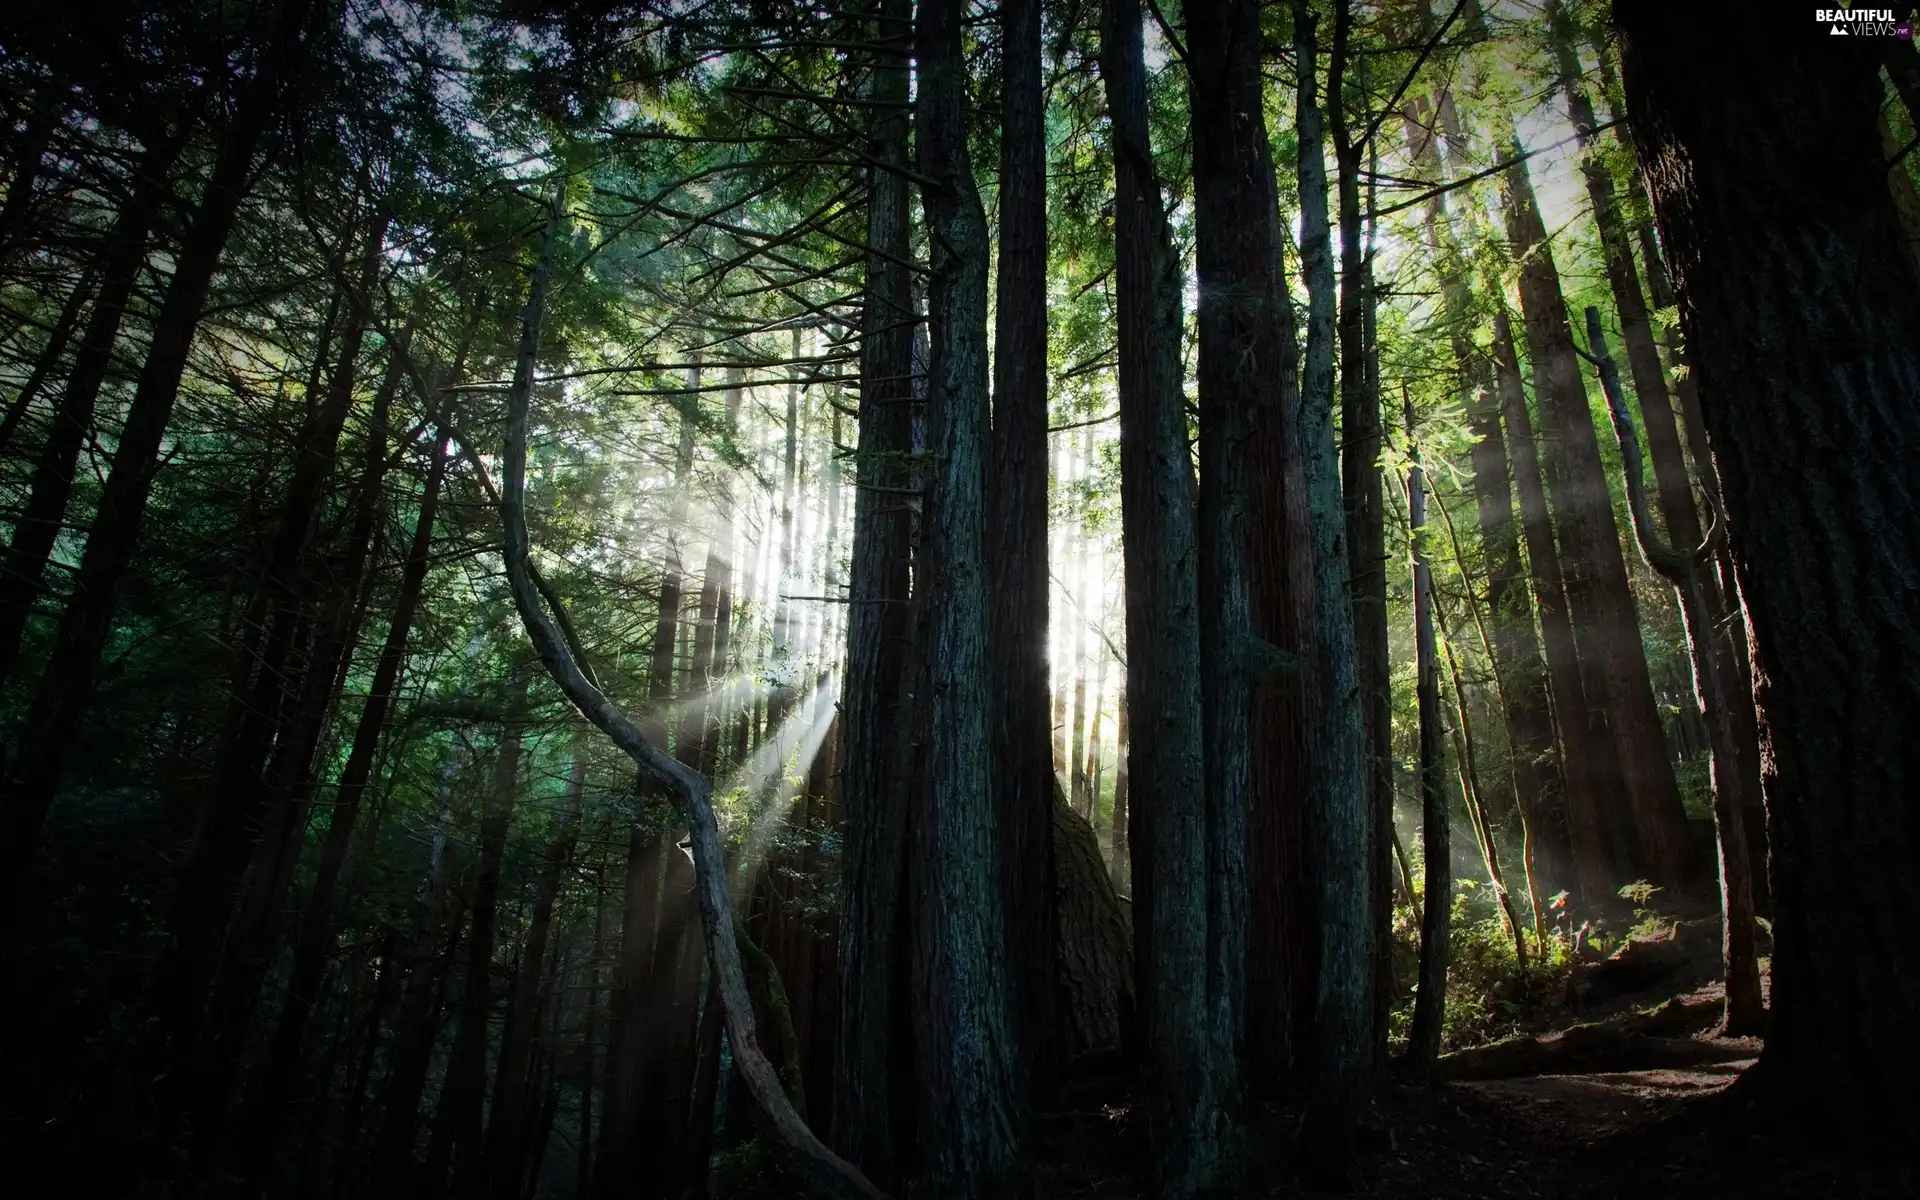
[773, 775]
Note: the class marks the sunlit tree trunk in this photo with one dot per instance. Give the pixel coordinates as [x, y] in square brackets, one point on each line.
[1582, 767]
[1436, 841]
[1651, 836]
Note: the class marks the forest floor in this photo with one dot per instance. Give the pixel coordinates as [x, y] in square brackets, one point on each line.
[1637, 1134]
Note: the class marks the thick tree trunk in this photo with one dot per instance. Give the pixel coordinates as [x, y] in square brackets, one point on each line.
[1436, 842]
[1253, 570]
[1167, 820]
[1096, 946]
[971, 1127]
[1343, 817]
[1804, 331]
[1022, 756]
[870, 1073]
[1582, 767]
[1683, 568]
[52, 356]
[1651, 837]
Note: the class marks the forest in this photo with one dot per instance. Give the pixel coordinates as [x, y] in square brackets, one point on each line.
[958, 599]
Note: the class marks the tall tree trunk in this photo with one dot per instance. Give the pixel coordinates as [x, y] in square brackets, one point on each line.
[972, 1126]
[59, 703]
[1538, 788]
[315, 942]
[1249, 598]
[1731, 625]
[1652, 835]
[1362, 483]
[1167, 830]
[1674, 490]
[1436, 841]
[1118, 860]
[1096, 751]
[1022, 776]
[1521, 676]
[870, 1072]
[1342, 821]
[1582, 755]
[1682, 567]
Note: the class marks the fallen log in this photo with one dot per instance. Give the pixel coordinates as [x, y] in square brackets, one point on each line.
[1640, 1042]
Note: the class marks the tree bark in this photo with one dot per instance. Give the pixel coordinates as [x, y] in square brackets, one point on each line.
[1808, 269]
[1436, 841]
[1362, 484]
[1022, 756]
[870, 1072]
[971, 1116]
[1342, 824]
[1253, 570]
[1166, 833]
